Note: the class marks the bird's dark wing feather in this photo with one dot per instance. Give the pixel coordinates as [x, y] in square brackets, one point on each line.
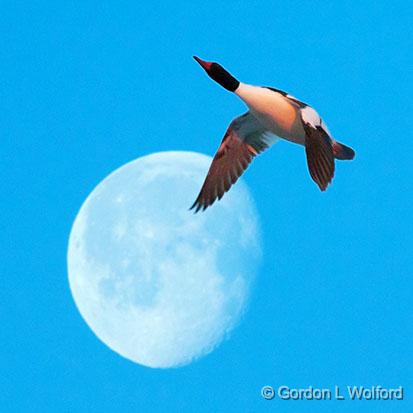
[320, 157]
[243, 140]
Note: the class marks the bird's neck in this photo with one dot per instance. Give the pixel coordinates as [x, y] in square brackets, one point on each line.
[257, 97]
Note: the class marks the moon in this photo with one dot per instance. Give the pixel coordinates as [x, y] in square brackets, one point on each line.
[157, 284]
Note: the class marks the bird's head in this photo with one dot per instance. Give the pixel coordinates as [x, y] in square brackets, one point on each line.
[216, 72]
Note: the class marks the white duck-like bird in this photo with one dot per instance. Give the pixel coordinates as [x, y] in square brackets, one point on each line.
[272, 114]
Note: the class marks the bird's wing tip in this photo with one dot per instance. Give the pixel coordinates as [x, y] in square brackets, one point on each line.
[196, 206]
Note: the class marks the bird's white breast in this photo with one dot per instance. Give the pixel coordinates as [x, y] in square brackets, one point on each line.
[274, 111]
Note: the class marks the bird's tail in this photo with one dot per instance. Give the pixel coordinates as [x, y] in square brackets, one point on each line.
[342, 152]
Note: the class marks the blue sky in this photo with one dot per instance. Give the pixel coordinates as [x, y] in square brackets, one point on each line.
[88, 86]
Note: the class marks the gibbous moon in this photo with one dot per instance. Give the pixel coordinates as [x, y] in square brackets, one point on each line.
[156, 283]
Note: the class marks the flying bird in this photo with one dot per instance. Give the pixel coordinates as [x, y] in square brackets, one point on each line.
[272, 114]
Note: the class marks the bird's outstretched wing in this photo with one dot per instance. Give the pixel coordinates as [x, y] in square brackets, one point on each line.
[244, 139]
[318, 148]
